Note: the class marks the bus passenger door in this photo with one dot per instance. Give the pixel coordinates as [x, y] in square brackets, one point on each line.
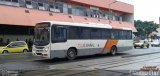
[59, 41]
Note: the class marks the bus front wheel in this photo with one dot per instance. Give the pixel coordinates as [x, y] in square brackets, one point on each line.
[71, 54]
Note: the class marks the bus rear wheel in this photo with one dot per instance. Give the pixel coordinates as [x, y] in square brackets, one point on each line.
[113, 50]
[71, 54]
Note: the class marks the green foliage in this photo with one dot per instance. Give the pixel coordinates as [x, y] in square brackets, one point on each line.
[145, 28]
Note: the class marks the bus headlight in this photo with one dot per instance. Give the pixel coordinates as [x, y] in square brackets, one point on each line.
[46, 49]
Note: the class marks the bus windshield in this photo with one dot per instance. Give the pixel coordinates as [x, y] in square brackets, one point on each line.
[42, 34]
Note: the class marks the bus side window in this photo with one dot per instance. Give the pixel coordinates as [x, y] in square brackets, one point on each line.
[60, 34]
[128, 35]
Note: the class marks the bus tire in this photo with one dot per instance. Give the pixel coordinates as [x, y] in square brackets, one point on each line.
[113, 50]
[142, 46]
[71, 54]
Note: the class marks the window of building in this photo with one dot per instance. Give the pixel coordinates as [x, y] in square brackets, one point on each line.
[106, 16]
[41, 6]
[1, 1]
[88, 13]
[51, 7]
[103, 15]
[58, 7]
[65, 8]
[7, 2]
[117, 18]
[78, 10]
[94, 13]
[15, 2]
[46, 6]
[110, 15]
[22, 3]
[73, 10]
[35, 5]
[29, 4]
[69, 9]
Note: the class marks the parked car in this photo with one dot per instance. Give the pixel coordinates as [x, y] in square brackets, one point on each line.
[155, 43]
[141, 44]
[14, 47]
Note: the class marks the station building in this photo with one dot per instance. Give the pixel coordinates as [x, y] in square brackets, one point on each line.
[18, 17]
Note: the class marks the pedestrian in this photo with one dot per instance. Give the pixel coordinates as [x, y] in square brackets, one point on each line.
[30, 43]
[26, 41]
[8, 41]
[1, 41]
[17, 39]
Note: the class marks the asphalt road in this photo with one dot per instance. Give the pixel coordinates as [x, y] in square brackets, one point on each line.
[105, 65]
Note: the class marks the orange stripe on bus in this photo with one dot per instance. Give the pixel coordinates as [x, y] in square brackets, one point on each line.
[109, 44]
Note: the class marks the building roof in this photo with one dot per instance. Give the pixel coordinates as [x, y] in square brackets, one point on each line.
[117, 6]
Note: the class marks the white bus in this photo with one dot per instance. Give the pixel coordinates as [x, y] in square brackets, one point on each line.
[64, 39]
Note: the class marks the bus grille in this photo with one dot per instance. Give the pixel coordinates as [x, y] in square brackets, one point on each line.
[39, 53]
[39, 50]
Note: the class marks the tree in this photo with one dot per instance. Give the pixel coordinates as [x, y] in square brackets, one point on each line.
[145, 28]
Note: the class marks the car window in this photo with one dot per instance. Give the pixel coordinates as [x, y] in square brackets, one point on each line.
[20, 43]
[12, 44]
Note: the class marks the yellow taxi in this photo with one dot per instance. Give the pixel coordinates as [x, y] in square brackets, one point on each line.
[14, 47]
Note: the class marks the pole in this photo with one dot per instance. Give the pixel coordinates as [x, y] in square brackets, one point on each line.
[109, 7]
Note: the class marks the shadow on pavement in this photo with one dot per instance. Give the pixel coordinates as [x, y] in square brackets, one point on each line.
[81, 58]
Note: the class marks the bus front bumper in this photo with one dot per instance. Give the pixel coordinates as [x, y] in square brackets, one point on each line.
[41, 54]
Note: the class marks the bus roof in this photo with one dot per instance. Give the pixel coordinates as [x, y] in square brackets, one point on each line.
[87, 24]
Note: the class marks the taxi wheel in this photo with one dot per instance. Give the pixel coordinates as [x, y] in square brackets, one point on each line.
[25, 51]
[5, 52]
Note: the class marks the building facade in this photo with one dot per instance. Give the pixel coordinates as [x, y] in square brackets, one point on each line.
[18, 17]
